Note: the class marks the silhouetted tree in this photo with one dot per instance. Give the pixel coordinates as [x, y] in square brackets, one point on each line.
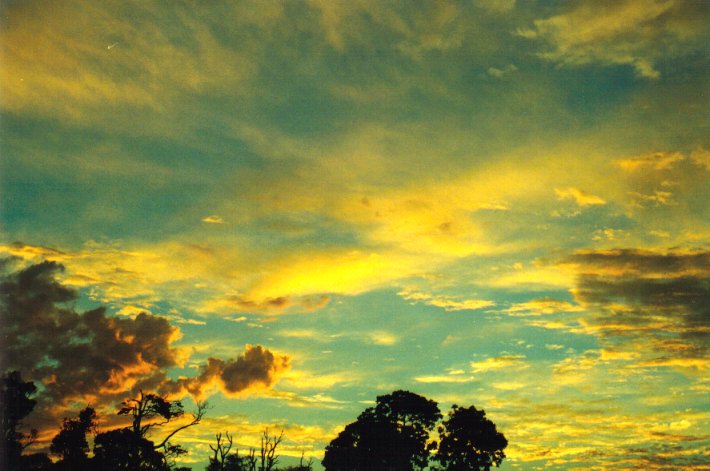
[147, 407]
[393, 435]
[36, 462]
[267, 459]
[152, 410]
[71, 443]
[130, 449]
[15, 405]
[234, 462]
[302, 465]
[469, 441]
[269, 444]
[124, 450]
[221, 451]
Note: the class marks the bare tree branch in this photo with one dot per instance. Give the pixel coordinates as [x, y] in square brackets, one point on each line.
[196, 418]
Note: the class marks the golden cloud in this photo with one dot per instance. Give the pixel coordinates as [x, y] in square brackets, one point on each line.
[507, 362]
[580, 197]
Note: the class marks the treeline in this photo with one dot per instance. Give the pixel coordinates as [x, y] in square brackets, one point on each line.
[402, 432]
[121, 449]
[397, 434]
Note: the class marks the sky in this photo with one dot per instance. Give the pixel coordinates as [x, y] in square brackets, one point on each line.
[289, 208]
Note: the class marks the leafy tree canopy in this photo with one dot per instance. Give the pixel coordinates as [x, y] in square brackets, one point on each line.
[391, 435]
[15, 405]
[469, 441]
[394, 435]
[71, 442]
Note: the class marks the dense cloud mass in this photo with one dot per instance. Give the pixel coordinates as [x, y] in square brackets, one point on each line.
[72, 353]
[97, 358]
[256, 368]
[661, 297]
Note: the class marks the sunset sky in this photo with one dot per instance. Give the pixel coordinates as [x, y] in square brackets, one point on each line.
[487, 202]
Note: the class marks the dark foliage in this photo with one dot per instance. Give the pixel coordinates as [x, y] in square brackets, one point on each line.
[391, 436]
[469, 441]
[122, 449]
[147, 407]
[15, 405]
[125, 449]
[71, 443]
[36, 462]
[394, 436]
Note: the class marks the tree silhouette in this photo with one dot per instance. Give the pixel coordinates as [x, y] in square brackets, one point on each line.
[124, 450]
[269, 444]
[15, 405]
[301, 466]
[130, 449]
[394, 436]
[267, 459]
[391, 436]
[469, 441]
[151, 410]
[71, 443]
[221, 451]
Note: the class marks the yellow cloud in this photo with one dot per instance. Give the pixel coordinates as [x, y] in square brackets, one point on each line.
[509, 385]
[655, 161]
[457, 379]
[543, 306]
[445, 302]
[507, 362]
[580, 197]
[536, 276]
[350, 272]
[383, 338]
[214, 219]
[298, 438]
[301, 379]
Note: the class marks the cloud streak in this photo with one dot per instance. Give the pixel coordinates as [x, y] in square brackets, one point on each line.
[655, 298]
[626, 32]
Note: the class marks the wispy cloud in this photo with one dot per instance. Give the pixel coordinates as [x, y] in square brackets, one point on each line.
[383, 338]
[578, 196]
[445, 302]
[632, 33]
[503, 362]
[435, 379]
[214, 219]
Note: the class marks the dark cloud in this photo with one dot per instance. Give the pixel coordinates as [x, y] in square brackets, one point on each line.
[661, 297]
[76, 355]
[271, 305]
[643, 262]
[91, 357]
[256, 368]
